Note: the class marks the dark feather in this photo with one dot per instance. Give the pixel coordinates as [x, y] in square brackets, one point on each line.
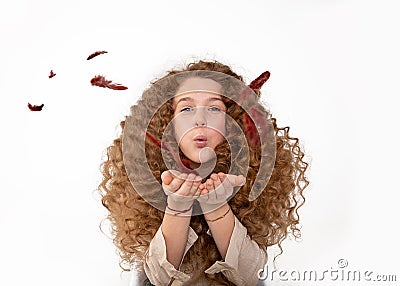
[95, 54]
[35, 107]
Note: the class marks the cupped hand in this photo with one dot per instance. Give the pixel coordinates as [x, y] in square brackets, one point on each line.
[217, 189]
[181, 188]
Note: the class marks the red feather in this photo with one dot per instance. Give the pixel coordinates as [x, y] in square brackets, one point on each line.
[250, 126]
[184, 166]
[52, 74]
[154, 140]
[259, 116]
[35, 107]
[101, 81]
[259, 81]
[250, 131]
[255, 85]
[95, 54]
[117, 86]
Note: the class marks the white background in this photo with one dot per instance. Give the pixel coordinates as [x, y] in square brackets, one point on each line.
[334, 80]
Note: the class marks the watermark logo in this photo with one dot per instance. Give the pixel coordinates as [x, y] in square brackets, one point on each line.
[339, 273]
[154, 121]
[342, 263]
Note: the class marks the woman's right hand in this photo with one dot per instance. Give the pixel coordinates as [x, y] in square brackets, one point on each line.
[181, 190]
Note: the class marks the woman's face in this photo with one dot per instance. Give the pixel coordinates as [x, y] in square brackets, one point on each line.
[199, 118]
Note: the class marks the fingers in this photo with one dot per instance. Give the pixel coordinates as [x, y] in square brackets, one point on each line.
[221, 179]
[181, 183]
[236, 180]
[190, 185]
[195, 190]
[172, 180]
[177, 181]
[209, 185]
[217, 180]
[166, 177]
[219, 187]
[203, 189]
[214, 188]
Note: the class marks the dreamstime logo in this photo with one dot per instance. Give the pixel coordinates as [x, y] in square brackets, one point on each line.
[147, 118]
[333, 274]
[342, 263]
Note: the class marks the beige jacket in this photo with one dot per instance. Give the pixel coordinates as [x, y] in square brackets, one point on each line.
[244, 258]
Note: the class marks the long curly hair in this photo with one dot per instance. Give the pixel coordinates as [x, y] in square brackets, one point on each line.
[269, 219]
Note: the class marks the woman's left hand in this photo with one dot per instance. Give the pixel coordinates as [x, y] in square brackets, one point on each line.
[216, 190]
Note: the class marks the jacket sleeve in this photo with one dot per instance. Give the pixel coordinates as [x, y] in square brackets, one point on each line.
[157, 268]
[244, 258]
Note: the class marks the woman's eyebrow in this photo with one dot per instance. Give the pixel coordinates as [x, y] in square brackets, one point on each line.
[214, 99]
[191, 99]
[185, 99]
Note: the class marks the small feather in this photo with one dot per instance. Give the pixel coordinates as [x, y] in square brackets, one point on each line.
[35, 107]
[52, 74]
[101, 81]
[95, 54]
[260, 80]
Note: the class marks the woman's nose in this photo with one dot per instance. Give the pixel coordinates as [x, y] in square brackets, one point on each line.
[200, 118]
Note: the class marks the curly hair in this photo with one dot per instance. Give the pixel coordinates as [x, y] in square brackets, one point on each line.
[269, 219]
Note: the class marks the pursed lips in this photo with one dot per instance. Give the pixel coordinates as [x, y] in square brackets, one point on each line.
[200, 140]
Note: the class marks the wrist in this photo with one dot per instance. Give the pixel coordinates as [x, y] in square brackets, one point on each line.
[213, 211]
[185, 212]
[178, 207]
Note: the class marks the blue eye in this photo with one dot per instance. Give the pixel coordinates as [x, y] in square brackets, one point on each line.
[214, 108]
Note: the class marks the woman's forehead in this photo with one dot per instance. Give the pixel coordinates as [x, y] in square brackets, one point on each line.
[199, 84]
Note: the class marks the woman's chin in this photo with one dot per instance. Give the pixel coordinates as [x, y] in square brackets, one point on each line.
[204, 159]
[201, 159]
[196, 162]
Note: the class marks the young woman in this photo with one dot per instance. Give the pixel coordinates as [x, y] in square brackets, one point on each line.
[201, 180]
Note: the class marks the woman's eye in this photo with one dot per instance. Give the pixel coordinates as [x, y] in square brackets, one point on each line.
[186, 109]
[214, 108]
